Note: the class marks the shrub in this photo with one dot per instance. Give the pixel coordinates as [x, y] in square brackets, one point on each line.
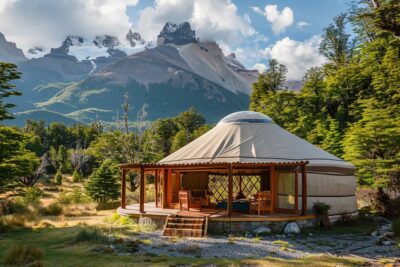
[32, 196]
[396, 227]
[23, 255]
[112, 205]
[54, 209]
[76, 196]
[76, 177]
[17, 206]
[321, 208]
[120, 220]
[90, 234]
[58, 178]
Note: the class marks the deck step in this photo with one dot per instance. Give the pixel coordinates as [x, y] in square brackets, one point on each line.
[185, 226]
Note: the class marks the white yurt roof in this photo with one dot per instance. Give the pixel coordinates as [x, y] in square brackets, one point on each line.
[248, 136]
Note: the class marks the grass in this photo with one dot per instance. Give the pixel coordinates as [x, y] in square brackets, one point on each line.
[20, 254]
[56, 246]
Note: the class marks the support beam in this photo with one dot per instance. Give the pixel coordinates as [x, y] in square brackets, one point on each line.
[296, 192]
[303, 189]
[142, 189]
[230, 190]
[156, 182]
[273, 188]
[123, 189]
[165, 189]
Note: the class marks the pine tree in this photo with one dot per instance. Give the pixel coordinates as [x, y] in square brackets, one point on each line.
[58, 178]
[102, 185]
[76, 176]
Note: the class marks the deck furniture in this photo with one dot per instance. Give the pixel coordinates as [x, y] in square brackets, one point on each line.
[261, 203]
[187, 201]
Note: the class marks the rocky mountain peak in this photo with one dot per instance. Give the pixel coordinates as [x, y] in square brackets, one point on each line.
[9, 51]
[107, 41]
[134, 38]
[178, 34]
[233, 63]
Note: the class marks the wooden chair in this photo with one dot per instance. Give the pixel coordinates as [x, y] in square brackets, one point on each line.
[186, 201]
[261, 203]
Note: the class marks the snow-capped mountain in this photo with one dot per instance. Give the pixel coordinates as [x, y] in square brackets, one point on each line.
[86, 78]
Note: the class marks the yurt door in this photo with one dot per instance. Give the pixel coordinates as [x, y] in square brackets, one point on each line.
[286, 191]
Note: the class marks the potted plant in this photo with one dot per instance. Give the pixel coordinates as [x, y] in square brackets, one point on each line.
[321, 211]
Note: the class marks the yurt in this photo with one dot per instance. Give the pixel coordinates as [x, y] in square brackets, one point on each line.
[246, 168]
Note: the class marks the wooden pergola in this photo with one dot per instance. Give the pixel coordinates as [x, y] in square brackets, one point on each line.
[166, 171]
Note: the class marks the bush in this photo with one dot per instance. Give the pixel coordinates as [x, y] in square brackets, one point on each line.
[32, 196]
[17, 206]
[76, 177]
[112, 205]
[321, 208]
[58, 178]
[120, 220]
[396, 227]
[24, 255]
[76, 196]
[54, 209]
[90, 234]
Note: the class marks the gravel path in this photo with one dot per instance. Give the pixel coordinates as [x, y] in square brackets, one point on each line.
[280, 246]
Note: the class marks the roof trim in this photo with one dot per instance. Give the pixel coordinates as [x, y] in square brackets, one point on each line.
[206, 165]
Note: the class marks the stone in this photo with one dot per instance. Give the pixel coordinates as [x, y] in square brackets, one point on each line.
[386, 243]
[310, 234]
[292, 228]
[262, 230]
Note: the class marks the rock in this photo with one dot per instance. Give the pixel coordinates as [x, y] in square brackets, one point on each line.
[262, 230]
[292, 228]
[310, 234]
[386, 243]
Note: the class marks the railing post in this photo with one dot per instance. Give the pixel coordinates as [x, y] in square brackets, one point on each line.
[142, 194]
[230, 190]
[303, 189]
[273, 188]
[123, 189]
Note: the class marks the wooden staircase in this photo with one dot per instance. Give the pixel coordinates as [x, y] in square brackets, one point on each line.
[186, 226]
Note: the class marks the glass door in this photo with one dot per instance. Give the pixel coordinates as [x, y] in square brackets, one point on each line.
[286, 194]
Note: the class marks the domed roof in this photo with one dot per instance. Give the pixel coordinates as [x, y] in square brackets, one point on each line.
[246, 117]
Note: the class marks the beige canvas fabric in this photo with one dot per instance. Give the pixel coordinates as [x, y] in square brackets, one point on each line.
[242, 141]
[253, 137]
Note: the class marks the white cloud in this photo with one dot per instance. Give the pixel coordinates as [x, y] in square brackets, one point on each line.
[212, 19]
[261, 67]
[297, 56]
[46, 23]
[280, 20]
[302, 24]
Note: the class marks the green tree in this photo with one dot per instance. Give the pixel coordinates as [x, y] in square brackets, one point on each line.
[15, 160]
[62, 158]
[58, 177]
[189, 121]
[180, 140]
[8, 72]
[76, 176]
[373, 145]
[271, 80]
[103, 185]
[336, 44]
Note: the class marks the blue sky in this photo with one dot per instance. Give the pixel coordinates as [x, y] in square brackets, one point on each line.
[255, 30]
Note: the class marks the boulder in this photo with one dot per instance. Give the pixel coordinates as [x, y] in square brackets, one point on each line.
[262, 230]
[291, 228]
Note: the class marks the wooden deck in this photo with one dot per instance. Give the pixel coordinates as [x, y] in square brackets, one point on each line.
[212, 214]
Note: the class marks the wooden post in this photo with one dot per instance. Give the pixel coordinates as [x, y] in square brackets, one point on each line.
[165, 188]
[296, 191]
[169, 187]
[303, 189]
[230, 190]
[273, 188]
[123, 189]
[156, 185]
[142, 189]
